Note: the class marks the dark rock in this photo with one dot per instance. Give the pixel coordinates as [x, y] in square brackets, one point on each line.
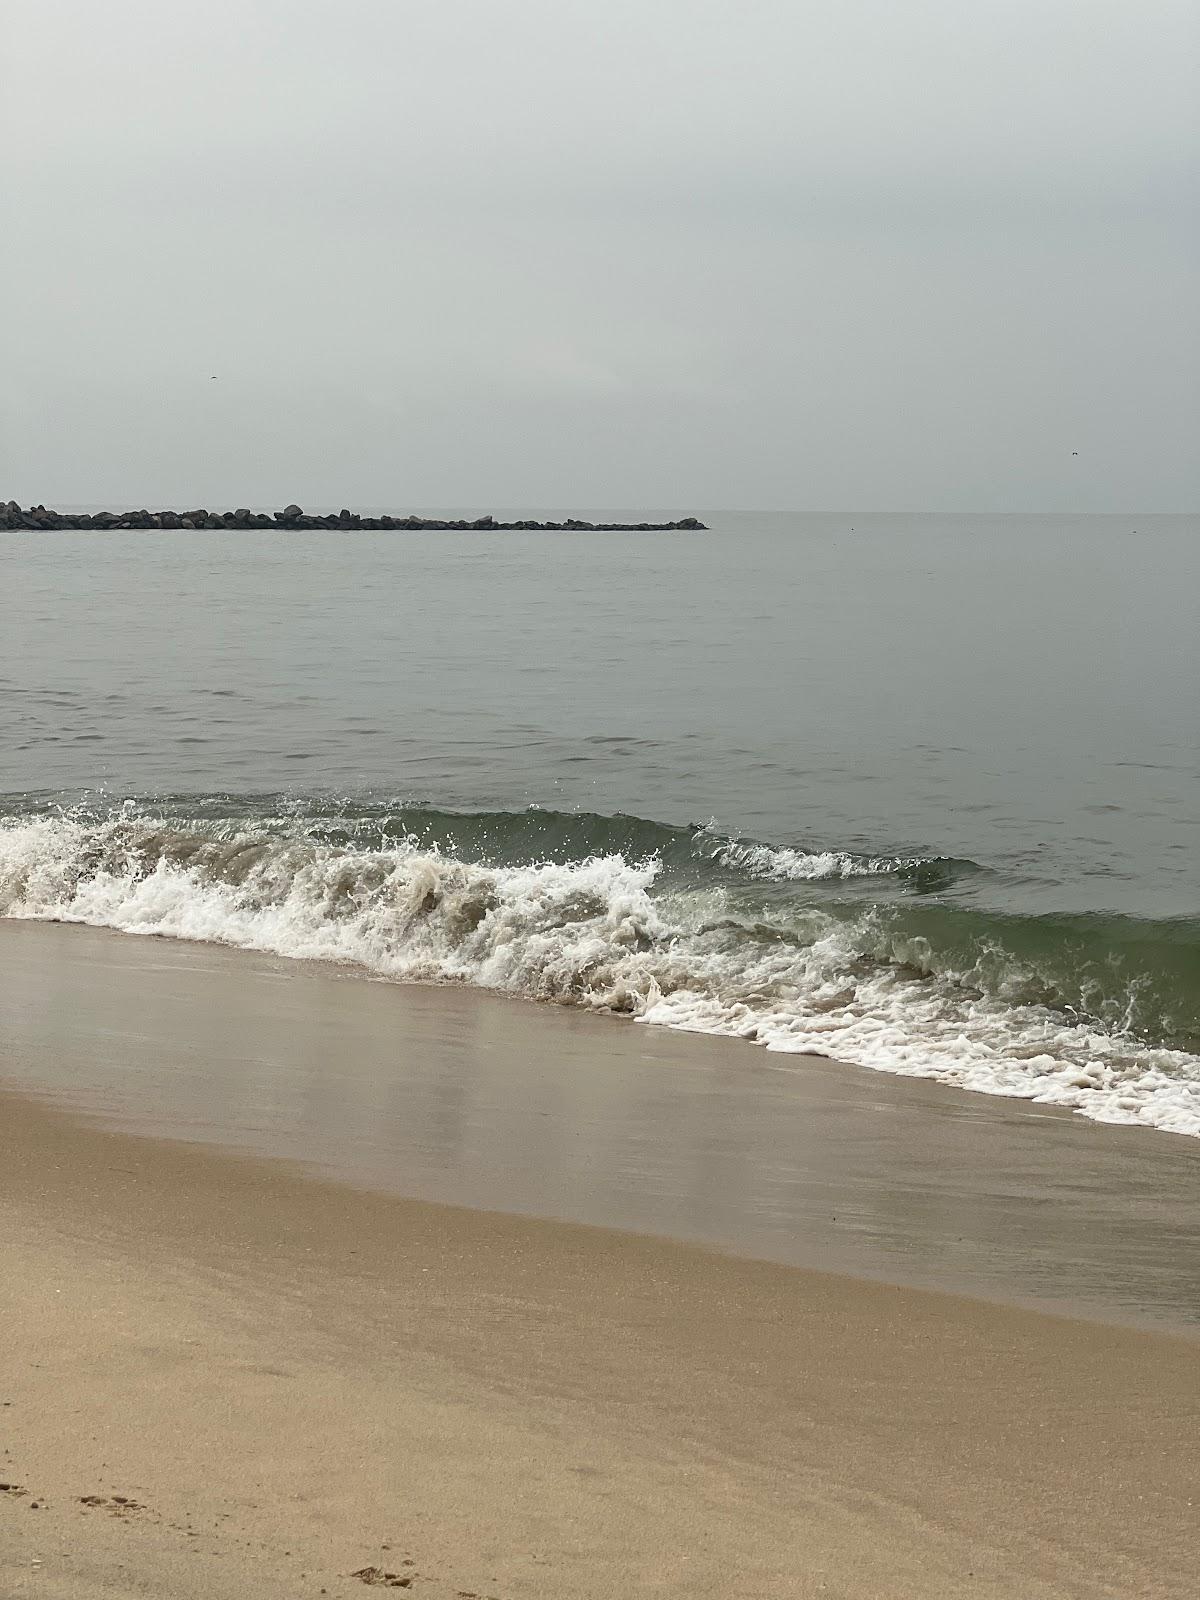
[37, 517]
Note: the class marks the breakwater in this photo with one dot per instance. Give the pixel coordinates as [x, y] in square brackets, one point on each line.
[13, 516]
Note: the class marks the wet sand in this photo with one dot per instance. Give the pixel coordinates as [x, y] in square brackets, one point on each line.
[459, 1096]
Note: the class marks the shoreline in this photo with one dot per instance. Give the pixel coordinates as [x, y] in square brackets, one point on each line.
[458, 1096]
[288, 1382]
[802, 951]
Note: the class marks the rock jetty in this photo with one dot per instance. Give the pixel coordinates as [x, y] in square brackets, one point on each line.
[38, 517]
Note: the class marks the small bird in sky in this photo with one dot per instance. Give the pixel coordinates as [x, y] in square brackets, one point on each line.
[213, 378]
[1074, 452]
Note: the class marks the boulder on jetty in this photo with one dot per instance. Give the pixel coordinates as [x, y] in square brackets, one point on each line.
[13, 516]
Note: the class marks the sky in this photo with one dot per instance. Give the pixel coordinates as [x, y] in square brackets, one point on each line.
[546, 254]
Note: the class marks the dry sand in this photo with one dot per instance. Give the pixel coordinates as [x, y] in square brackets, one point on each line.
[222, 1378]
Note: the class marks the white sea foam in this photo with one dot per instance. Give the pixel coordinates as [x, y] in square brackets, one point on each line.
[781, 865]
[594, 933]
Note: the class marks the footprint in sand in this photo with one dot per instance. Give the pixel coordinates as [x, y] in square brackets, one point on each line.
[384, 1580]
[18, 1491]
[119, 1505]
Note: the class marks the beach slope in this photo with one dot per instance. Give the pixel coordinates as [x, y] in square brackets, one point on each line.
[223, 1378]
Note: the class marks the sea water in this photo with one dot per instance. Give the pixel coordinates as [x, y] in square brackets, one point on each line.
[918, 793]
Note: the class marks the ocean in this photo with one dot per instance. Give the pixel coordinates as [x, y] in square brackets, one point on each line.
[918, 793]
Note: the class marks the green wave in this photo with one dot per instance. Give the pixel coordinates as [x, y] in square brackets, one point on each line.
[1121, 973]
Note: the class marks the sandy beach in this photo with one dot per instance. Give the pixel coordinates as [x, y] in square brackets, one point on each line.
[221, 1378]
[223, 1375]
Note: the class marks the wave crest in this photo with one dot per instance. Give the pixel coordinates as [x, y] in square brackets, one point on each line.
[609, 933]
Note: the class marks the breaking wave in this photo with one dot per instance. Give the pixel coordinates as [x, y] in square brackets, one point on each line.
[681, 927]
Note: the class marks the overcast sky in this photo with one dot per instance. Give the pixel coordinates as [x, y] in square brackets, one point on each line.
[863, 254]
